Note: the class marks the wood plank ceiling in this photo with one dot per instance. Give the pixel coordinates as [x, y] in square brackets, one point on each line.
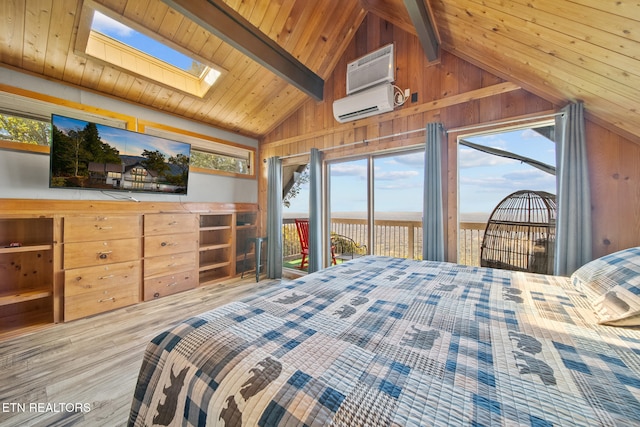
[561, 50]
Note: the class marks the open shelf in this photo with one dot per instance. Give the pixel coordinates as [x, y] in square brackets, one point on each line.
[214, 275]
[216, 227]
[204, 248]
[216, 241]
[18, 324]
[26, 276]
[27, 248]
[7, 298]
[213, 266]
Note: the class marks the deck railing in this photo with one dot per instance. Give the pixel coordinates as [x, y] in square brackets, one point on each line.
[397, 238]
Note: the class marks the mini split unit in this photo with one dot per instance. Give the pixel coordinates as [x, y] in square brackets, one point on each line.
[369, 102]
[369, 86]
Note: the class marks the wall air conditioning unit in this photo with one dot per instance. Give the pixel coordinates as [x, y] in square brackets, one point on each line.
[372, 69]
[369, 102]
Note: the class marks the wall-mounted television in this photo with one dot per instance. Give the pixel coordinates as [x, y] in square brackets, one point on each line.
[88, 155]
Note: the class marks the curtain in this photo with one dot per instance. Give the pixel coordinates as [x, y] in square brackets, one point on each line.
[316, 258]
[573, 230]
[432, 217]
[274, 218]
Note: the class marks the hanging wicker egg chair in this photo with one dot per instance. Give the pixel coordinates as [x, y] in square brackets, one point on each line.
[521, 233]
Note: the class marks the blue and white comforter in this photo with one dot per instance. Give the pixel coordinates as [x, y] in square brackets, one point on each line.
[395, 342]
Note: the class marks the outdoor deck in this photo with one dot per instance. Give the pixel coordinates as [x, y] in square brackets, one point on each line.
[397, 238]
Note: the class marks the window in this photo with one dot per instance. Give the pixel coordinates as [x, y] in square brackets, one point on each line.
[25, 121]
[209, 155]
[121, 46]
[219, 162]
[25, 130]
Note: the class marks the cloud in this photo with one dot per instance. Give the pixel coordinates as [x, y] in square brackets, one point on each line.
[105, 25]
[349, 169]
[512, 181]
[395, 175]
[470, 158]
[415, 159]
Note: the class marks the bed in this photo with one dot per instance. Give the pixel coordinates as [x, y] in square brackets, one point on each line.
[395, 342]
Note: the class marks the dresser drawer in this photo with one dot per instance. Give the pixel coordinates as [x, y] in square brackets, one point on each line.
[88, 254]
[159, 287]
[80, 281]
[155, 224]
[78, 306]
[101, 227]
[167, 264]
[170, 244]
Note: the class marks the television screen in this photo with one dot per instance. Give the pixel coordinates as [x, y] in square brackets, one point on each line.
[94, 156]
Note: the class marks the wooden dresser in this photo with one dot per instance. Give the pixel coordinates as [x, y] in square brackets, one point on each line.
[102, 269]
[89, 257]
[170, 254]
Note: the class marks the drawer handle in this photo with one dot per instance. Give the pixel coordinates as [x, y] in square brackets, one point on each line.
[107, 299]
[173, 223]
[168, 244]
[104, 254]
[105, 228]
[102, 218]
[172, 284]
[106, 277]
[173, 264]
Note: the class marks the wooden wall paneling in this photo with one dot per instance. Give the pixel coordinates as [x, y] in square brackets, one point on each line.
[123, 85]
[91, 72]
[137, 89]
[490, 109]
[416, 121]
[415, 69]
[37, 26]
[449, 80]
[13, 32]
[400, 39]
[169, 24]
[118, 6]
[629, 182]
[59, 41]
[451, 199]
[108, 79]
[604, 180]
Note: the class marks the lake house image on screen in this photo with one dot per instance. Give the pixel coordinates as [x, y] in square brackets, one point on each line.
[93, 156]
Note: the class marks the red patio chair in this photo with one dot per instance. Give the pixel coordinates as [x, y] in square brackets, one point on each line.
[302, 225]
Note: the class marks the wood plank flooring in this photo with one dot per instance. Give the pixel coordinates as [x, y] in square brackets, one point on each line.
[93, 363]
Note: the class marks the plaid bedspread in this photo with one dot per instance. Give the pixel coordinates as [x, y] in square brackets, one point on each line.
[394, 342]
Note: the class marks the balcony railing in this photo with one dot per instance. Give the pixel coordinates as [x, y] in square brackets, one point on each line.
[396, 238]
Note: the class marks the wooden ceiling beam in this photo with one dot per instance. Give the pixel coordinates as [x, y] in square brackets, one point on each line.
[422, 19]
[222, 21]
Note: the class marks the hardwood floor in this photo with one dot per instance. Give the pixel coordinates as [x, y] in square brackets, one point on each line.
[83, 373]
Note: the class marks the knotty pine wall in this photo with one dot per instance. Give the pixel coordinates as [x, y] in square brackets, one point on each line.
[455, 93]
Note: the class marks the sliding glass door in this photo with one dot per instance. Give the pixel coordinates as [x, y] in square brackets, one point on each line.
[377, 201]
[493, 165]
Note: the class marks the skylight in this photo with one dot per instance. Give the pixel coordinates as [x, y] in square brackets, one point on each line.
[113, 42]
[120, 32]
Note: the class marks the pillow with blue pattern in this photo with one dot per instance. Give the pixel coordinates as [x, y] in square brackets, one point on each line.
[612, 285]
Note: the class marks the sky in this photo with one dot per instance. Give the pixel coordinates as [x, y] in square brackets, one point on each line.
[127, 142]
[484, 179]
